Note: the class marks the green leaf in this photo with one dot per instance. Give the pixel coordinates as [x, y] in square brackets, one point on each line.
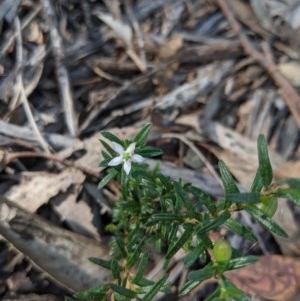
[163, 217]
[115, 268]
[179, 243]
[240, 229]
[264, 161]
[171, 234]
[214, 224]
[188, 287]
[182, 197]
[203, 198]
[149, 151]
[155, 289]
[293, 183]
[109, 149]
[266, 221]
[232, 291]
[290, 193]
[165, 181]
[243, 197]
[141, 268]
[111, 137]
[123, 291]
[200, 275]
[258, 182]
[103, 263]
[106, 156]
[134, 257]
[144, 282]
[194, 255]
[95, 293]
[112, 173]
[121, 246]
[142, 135]
[237, 263]
[229, 184]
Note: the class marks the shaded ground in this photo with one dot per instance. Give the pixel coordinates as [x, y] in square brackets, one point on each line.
[208, 75]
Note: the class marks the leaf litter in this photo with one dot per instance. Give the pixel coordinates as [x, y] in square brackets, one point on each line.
[204, 73]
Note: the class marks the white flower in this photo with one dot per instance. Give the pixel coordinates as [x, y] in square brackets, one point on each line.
[125, 156]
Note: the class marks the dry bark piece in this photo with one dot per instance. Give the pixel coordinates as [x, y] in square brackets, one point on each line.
[273, 278]
[62, 254]
[36, 190]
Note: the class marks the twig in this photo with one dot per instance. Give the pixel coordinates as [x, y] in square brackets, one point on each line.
[197, 152]
[126, 85]
[138, 32]
[36, 9]
[10, 157]
[288, 92]
[22, 94]
[61, 70]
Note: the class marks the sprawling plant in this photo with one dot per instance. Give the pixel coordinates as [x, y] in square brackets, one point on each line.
[155, 211]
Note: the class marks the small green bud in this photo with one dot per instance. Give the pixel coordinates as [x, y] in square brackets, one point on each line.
[222, 250]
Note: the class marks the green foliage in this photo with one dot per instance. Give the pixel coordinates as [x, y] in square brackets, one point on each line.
[155, 211]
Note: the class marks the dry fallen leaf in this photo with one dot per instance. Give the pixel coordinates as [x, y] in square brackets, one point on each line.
[121, 29]
[274, 277]
[36, 189]
[170, 48]
[62, 254]
[291, 70]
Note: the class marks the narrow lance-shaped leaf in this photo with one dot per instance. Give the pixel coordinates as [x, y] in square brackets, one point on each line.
[193, 255]
[115, 268]
[149, 151]
[141, 268]
[203, 198]
[123, 291]
[134, 257]
[290, 193]
[94, 293]
[182, 197]
[204, 273]
[227, 179]
[293, 183]
[188, 287]
[232, 291]
[112, 173]
[111, 137]
[179, 243]
[258, 182]
[264, 161]
[214, 224]
[238, 263]
[162, 217]
[243, 197]
[142, 135]
[109, 149]
[266, 221]
[103, 263]
[240, 229]
[155, 289]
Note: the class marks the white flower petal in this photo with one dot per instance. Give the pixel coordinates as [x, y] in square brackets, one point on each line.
[118, 148]
[127, 166]
[115, 161]
[130, 149]
[137, 158]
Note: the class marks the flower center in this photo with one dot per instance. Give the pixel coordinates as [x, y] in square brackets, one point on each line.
[126, 156]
